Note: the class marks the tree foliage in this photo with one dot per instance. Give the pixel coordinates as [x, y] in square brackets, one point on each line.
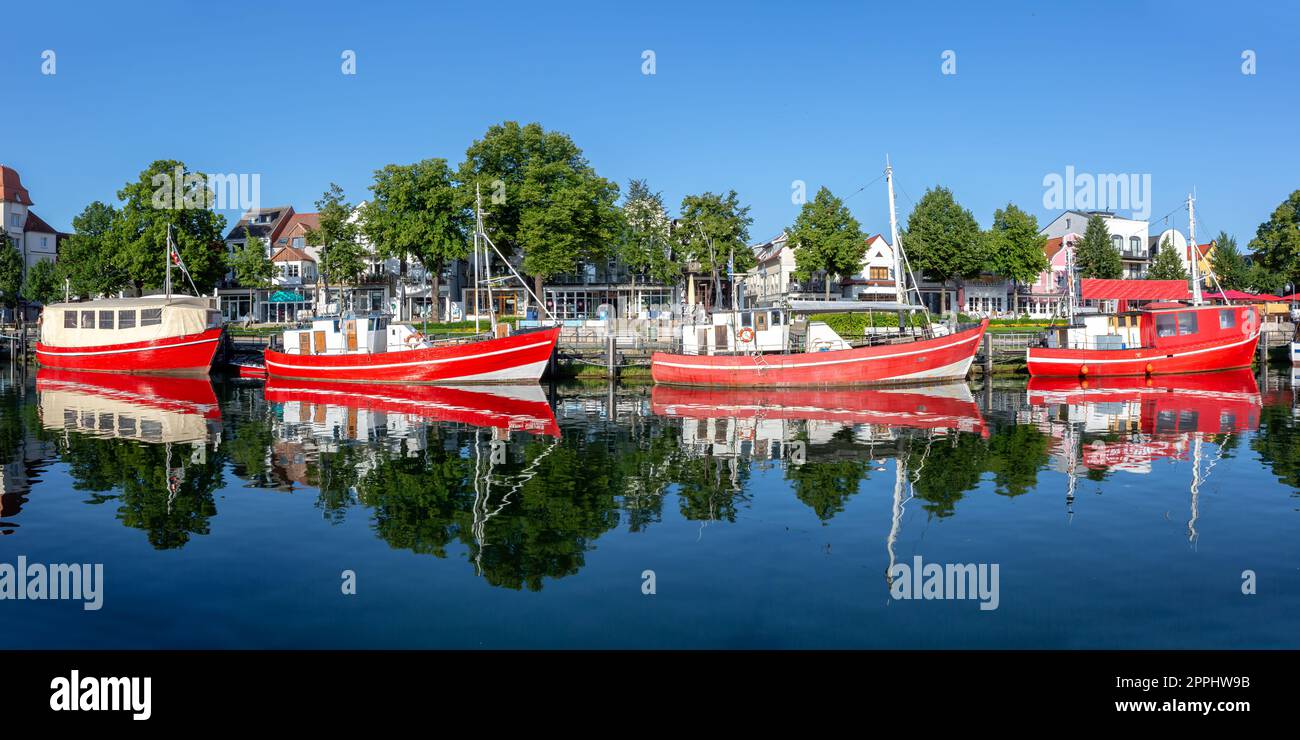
[826, 238]
[86, 257]
[11, 271]
[1015, 248]
[342, 256]
[252, 267]
[646, 246]
[149, 205]
[1276, 245]
[542, 197]
[1167, 265]
[1095, 256]
[44, 283]
[418, 213]
[1228, 264]
[711, 229]
[942, 239]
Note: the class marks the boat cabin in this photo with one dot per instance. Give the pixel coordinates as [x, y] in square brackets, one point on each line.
[1156, 326]
[113, 321]
[360, 333]
[789, 328]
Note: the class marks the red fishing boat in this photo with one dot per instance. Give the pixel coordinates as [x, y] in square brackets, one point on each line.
[176, 335]
[1158, 339]
[515, 408]
[936, 407]
[785, 347]
[368, 349]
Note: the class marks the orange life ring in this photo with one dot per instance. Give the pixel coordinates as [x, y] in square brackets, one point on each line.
[746, 335]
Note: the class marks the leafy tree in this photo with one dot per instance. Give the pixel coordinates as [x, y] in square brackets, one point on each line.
[150, 205]
[543, 198]
[646, 247]
[1167, 265]
[942, 239]
[1276, 245]
[44, 283]
[1095, 256]
[86, 256]
[342, 256]
[11, 272]
[1229, 266]
[1016, 249]
[1260, 279]
[826, 238]
[712, 230]
[253, 269]
[418, 213]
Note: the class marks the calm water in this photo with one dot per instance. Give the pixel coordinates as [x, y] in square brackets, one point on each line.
[225, 515]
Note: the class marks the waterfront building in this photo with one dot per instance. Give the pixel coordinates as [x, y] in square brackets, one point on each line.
[35, 240]
[1129, 237]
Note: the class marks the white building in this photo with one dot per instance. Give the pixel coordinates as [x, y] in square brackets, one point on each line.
[876, 281]
[35, 240]
[1129, 236]
[770, 280]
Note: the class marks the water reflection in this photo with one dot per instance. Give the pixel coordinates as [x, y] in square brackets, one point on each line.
[521, 485]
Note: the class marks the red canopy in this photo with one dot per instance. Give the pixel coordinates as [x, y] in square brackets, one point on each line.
[1292, 297]
[1096, 289]
[1238, 295]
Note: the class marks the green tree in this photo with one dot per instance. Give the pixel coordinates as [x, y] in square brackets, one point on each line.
[942, 239]
[713, 231]
[1167, 265]
[342, 256]
[167, 194]
[86, 255]
[1016, 249]
[1095, 256]
[826, 238]
[44, 283]
[1276, 245]
[418, 213]
[252, 267]
[646, 246]
[11, 272]
[543, 198]
[1229, 266]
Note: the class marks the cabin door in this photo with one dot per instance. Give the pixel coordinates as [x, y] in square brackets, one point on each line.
[318, 338]
[350, 328]
[304, 343]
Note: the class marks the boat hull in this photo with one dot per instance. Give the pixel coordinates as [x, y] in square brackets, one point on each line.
[1196, 358]
[926, 361]
[189, 354]
[519, 358]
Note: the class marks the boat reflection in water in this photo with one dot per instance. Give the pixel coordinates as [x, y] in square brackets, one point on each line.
[357, 410]
[150, 409]
[1125, 424]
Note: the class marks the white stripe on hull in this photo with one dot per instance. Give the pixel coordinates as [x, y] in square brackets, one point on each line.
[1156, 354]
[778, 365]
[124, 351]
[461, 358]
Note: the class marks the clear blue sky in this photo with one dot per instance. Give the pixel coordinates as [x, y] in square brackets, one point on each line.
[750, 97]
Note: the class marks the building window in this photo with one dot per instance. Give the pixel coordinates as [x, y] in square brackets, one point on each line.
[879, 273]
[1135, 244]
[291, 270]
[13, 220]
[297, 242]
[1118, 242]
[45, 241]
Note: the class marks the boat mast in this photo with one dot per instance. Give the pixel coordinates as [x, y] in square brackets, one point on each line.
[478, 229]
[167, 280]
[1193, 252]
[900, 289]
[487, 262]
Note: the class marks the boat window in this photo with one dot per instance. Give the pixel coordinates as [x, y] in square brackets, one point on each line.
[87, 319]
[126, 319]
[1187, 322]
[1166, 325]
[747, 319]
[214, 319]
[1227, 318]
[776, 318]
[69, 319]
[106, 319]
[150, 316]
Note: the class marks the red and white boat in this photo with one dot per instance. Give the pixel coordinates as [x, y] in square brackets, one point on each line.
[783, 347]
[176, 335]
[1158, 339]
[513, 408]
[366, 348]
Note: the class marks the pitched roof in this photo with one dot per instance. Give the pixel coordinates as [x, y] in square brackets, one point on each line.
[308, 222]
[1204, 249]
[263, 230]
[11, 187]
[289, 254]
[35, 223]
[1096, 289]
[1053, 246]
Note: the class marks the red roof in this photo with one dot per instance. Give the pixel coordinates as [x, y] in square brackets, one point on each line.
[1237, 295]
[11, 188]
[37, 224]
[1203, 249]
[1096, 289]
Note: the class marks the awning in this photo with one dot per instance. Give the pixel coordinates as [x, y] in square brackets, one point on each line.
[1096, 289]
[286, 296]
[1238, 295]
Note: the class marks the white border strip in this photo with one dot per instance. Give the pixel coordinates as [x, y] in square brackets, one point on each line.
[354, 368]
[790, 366]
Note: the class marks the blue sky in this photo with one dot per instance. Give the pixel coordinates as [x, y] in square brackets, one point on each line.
[750, 96]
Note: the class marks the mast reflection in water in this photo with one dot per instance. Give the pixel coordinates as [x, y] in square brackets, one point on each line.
[1120, 514]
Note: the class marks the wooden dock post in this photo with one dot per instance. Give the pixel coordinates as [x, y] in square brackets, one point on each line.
[1263, 349]
[610, 356]
[988, 354]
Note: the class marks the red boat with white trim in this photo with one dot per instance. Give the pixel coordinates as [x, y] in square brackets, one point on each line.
[176, 335]
[366, 348]
[773, 346]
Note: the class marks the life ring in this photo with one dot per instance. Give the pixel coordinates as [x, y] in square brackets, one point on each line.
[414, 337]
[746, 335]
